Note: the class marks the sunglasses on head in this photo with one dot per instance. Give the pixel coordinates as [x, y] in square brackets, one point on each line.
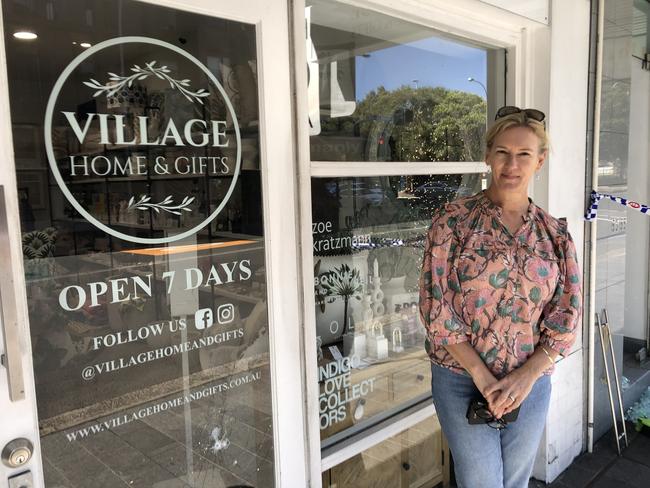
[531, 113]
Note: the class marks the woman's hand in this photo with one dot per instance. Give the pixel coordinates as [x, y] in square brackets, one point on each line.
[509, 392]
[518, 383]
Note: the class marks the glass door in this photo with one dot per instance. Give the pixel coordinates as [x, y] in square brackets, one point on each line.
[139, 184]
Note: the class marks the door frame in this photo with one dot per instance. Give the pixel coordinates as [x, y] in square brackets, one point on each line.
[291, 453]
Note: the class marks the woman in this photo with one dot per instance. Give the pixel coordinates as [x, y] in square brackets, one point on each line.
[500, 298]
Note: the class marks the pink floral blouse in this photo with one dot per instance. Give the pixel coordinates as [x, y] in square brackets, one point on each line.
[503, 293]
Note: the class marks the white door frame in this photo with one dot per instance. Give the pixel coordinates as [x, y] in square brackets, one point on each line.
[19, 419]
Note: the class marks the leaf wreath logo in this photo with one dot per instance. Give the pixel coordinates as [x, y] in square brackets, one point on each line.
[117, 82]
[167, 205]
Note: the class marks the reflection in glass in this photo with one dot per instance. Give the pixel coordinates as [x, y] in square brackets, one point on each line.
[368, 242]
[151, 362]
[383, 89]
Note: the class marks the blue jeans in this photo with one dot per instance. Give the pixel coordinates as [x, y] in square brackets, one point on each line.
[485, 457]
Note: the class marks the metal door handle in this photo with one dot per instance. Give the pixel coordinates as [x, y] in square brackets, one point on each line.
[12, 357]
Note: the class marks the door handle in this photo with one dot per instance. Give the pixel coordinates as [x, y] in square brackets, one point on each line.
[12, 357]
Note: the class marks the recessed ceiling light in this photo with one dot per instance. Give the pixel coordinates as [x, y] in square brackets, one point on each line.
[74, 42]
[85, 44]
[25, 35]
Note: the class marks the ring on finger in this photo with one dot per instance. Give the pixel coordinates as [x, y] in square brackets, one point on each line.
[512, 398]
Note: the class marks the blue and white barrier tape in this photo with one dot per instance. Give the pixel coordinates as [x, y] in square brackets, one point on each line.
[597, 197]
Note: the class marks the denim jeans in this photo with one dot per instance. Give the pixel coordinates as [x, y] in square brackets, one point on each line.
[485, 457]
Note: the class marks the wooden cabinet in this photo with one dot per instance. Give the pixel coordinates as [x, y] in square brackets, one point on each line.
[415, 458]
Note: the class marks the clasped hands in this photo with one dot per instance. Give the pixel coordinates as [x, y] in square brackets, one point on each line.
[506, 394]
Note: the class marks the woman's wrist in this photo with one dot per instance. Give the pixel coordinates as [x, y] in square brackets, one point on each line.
[470, 360]
[536, 364]
[482, 376]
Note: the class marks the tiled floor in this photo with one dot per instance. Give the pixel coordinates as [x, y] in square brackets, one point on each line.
[605, 469]
[173, 448]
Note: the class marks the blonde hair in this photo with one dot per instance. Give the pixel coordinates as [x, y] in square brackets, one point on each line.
[519, 119]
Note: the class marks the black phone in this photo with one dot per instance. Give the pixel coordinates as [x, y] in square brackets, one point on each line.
[478, 413]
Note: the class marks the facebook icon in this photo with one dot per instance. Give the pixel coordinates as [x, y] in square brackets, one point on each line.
[203, 318]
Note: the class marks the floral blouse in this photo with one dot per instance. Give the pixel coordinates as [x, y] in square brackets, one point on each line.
[503, 293]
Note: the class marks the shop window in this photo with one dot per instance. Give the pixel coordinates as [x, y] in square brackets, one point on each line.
[368, 243]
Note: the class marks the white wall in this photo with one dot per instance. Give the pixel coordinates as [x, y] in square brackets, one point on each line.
[564, 197]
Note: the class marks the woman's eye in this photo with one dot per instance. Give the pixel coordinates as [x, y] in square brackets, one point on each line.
[524, 154]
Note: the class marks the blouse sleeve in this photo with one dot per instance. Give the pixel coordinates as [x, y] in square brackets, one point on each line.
[436, 311]
[562, 314]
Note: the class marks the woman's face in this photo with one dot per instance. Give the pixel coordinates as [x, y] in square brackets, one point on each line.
[514, 158]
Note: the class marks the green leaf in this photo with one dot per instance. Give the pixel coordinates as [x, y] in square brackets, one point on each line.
[476, 326]
[436, 292]
[515, 318]
[504, 310]
[453, 285]
[462, 274]
[575, 301]
[451, 325]
[535, 295]
[499, 280]
[491, 355]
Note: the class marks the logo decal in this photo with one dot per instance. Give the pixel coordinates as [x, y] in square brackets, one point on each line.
[150, 148]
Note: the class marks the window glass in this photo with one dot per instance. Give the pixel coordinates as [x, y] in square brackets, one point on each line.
[622, 250]
[383, 89]
[368, 242]
[136, 139]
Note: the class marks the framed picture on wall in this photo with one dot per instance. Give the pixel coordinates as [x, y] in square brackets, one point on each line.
[27, 146]
[32, 186]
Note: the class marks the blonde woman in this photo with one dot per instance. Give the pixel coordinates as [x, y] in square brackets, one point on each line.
[500, 298]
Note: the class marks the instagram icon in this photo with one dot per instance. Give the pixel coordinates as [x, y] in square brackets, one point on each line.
[225, 313]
